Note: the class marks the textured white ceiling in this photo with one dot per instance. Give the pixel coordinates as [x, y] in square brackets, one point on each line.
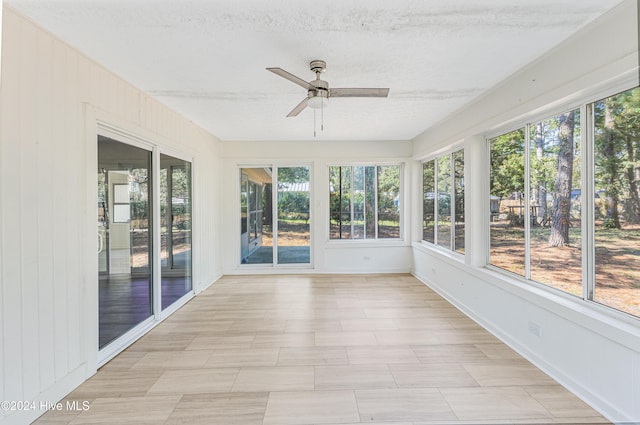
[207, 58]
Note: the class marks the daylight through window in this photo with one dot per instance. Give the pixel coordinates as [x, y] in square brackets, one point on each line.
[442, 219]
[364, 201]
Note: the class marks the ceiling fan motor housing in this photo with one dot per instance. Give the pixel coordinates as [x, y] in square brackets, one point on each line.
[318, 66]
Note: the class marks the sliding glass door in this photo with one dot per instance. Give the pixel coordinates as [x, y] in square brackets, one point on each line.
[135, 213]
[175, 228]
[125, 292]
[294, 230]
[287, 239]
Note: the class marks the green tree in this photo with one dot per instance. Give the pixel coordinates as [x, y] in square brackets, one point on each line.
[388, 185]
[626, 122]
[543, 162]
[293, 174]
[608, 159]
[507, 164]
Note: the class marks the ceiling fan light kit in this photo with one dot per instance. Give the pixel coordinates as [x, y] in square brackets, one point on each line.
[317, 101]
[318, 91]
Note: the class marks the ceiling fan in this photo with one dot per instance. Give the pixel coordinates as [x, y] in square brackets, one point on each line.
[318, 90]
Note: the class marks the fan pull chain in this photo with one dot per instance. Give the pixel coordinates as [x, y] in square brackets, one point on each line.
[322, 114]
[321, 117]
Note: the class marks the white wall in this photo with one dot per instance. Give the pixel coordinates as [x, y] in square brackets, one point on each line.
[592, 351]
[50, 99]
[327, 256]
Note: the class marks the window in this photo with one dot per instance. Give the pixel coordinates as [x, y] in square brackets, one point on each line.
[535, 223]
[539, 208]
[506, 200]
[364, 202]
[443, 220]
[458, 196]
[616, 201]
[555, 210]
[443, 185]
[428, 201]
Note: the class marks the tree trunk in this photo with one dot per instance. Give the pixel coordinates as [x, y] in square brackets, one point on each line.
[267, 207]
[560, 220]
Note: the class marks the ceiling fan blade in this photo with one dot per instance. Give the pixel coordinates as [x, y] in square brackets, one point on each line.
[295, 111]
[289, 76]
[364, 92]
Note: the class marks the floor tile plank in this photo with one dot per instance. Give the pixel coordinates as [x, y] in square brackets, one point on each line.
[311, 407]
[278, 378]
[353, 377]
[403, 404]
[320, 350]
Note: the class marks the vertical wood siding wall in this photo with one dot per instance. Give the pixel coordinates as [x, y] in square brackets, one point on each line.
[44, 212]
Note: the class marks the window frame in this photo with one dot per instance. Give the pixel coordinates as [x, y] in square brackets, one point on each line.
[452, 196]
[401, 203]
[526, 124]
[583, 102]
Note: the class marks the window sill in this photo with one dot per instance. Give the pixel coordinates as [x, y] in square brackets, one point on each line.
[373, 243]
[429, 248]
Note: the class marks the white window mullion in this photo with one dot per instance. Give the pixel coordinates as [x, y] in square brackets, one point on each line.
[487, 202]
[351, 194]
[452, 202]
[436, 196]
[527, 202]
[375, 188]
[155, 229]
[364, 204]
[274, 214]
[587, 205]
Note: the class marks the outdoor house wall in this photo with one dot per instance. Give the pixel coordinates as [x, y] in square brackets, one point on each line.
[50, 98]
[591, 352]
[328, 256]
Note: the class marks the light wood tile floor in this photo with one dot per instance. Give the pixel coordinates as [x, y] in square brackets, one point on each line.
[321, 350]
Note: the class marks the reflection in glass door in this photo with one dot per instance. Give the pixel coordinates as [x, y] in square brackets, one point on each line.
[175, 228]
[256, 230]
[124, 238]
[294, 232]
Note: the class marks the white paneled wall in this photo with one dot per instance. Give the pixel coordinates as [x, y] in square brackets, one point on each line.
[48, 274]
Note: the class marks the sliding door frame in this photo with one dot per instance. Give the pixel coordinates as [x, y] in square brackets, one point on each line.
[274, 206]
[100, 123]
[157, 269]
